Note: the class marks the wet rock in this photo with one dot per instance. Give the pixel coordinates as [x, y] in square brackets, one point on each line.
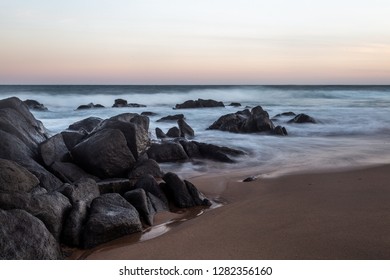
[218, 153]
[302, 118]
[185, 129]
[235, 104]
[142, 203]
[146, 167]
[87, 124]
[279, 130]
[24, 237]
[34, 105]
[250, 179]
[191, 148]
[171, 118]
[119, 103]
[173, 132]
[83, 190]
[72, 138]
[160, 134]
[105, 154]
[115, 185]
[167, 152]
[73, 226]
[53, 149]
[285, 114]
[149, 114]
[200, 103]
[150, 185]
[90, 106]
[111, 217]
[15, 178]
[69, 172]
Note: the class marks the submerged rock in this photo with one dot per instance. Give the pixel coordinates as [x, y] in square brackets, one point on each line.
[200, 103]
[171, 118]
[90, 106]
[34, 105]
[302, 118]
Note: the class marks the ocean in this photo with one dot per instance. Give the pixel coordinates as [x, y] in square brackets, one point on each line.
[353, 126]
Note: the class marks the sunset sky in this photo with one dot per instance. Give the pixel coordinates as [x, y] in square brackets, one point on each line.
[194, 42]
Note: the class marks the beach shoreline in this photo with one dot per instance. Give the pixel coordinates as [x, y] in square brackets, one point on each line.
[308, 215]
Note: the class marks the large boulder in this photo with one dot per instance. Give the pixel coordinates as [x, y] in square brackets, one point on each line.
[173, 132]
[83, 190]
[69, 172]
[104, 154]
[135, 129]
[160, 134]
[111, 217]
[34, 105]
[150, 185]
[12, 148]
[15, 178]
[90, 106]
[185, 129]
[167, 152]
[200, 103]
[139, 199]
[24, 237]
[53, 149]
[302, 118]
[87, 124]
[50, 208]
[72, 138]
[182, 194]
[145, 167]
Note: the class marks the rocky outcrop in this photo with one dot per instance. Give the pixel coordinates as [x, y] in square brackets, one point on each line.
[104, 154]
[35, 105]
[24, 237]
[87, 124]
[119, 103]
[15, 178]
[150, 185]
[171, 118]
[167, 152]
[90, 106]
[111, 217]
[302, 118]
[200, 103]
[254, 121]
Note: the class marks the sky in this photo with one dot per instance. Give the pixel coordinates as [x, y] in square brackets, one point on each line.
[194, 42]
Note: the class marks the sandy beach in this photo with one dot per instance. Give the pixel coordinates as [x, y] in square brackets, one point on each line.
[323, 215]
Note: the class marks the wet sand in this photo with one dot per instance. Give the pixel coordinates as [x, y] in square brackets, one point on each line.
[324, 215]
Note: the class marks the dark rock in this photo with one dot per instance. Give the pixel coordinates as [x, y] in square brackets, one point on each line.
[149, 114]
[135, 129]
[90, 106]
[160, 134]
[185, 129]
[12, 148]
[150, 185]
[135, 105]
[146, 167]
[285, 114]
[217, 153]
[173, 132]
[167, 152]
[87, 124]
[230, 122]
[115, 185]
[235, 104]
[105, 154]
[171, 118]
[142, 203]
[158, 204]
[120, 103]
[198, 197]
[250, 179]
[15, 178]
[53, 149]
[200, 103]
[83, 190]
[34, 105]
[191, 148]
[50, 208]
[178, 191]
[302, 118]
[24, 237]
[72, 138]
[72, 230]
[279, 130]
[69, 172]
[111, 217]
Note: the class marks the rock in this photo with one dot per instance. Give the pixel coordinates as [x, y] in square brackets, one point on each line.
[285, 114]
[90, 106]
[173, 132]
[235, 104]
[135, 129]
[87, 124]
[53, 149]
[69, 172]
[24, 237]
[182, 194]
[83, 190]
[171, 118]
[135, 105]
[150, 185]
[191, 148]
[50, 208]
[111, 217]
[15, 178]
[217, 153]
[146, 167]
[167, 152]
[12, 148]
[142, 203]
[250, 179]
[104, 154]
[279, 130]
[302, 118]
[198, 197]
[149, 114]
[34, 105]
[120, 103]
[72, 230]
[72, 138]
[185, 129]
[200, 103]
[115, 186]
[160, 134]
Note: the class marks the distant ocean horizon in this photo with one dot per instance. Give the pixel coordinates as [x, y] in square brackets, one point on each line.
[352, 130]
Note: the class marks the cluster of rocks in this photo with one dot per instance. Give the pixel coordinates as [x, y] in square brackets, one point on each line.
[200, 103]
[87, 185]
[119, 103]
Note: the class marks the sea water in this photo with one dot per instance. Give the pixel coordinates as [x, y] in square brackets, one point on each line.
[353, 126]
